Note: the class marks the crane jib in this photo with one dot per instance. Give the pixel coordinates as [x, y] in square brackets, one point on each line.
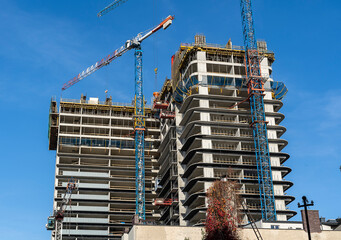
[105, 61]
[130, 44]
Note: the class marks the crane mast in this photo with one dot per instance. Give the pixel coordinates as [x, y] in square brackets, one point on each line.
[139, 127]
[255, 83]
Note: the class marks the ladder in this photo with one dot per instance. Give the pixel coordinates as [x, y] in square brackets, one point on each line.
[252, 222]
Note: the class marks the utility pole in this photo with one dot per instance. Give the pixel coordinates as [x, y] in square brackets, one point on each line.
[305, 205]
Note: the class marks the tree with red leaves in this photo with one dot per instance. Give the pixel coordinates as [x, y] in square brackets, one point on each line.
[222, 212]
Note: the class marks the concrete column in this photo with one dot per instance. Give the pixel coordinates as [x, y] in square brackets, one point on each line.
[203, 90]
[268, 95]
[239, 146]
[206, 143]
[278, 189]
[275, 161]
[206, 130]
[178, 116]
[208, 172]
[201, 57]
[207, 185]
[273, 147]
[202, 69]
[268, 108]
[182, 209]
[240, 159]
[204, 103]
[265, 67]
[272, 134]
[276, 175]
[204, 116]
[271, 121]
[280, 204]
[181, 184]
[207, 158]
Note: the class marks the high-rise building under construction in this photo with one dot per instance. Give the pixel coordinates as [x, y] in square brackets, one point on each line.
[95, 147]
[197, 132]
[211, 138]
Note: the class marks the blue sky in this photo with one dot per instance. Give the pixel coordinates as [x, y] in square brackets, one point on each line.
[45, 43]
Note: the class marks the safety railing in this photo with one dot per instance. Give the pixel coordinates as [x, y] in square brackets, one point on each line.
[229, 161]
[224, 133]
[224, 146]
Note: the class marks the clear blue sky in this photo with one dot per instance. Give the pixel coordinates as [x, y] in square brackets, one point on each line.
[45, 43]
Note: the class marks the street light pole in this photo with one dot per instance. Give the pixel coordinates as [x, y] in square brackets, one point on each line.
[305, 205]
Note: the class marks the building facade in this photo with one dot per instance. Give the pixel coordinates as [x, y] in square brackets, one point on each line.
[94, 143]
[210, 138]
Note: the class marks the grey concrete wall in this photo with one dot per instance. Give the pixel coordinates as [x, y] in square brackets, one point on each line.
[195, 233]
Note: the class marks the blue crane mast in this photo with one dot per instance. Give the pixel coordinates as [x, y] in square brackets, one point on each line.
[139, 127]
[255, 83]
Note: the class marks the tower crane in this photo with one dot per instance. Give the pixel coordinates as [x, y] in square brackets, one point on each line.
[139, 116]
[110, 7]
[55, 222]
[255, 83]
